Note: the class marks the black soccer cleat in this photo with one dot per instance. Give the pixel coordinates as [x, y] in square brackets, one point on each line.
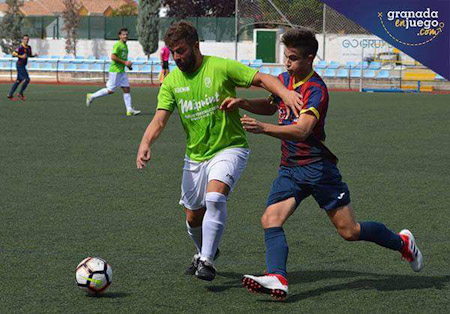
[205, 271]
[194, 263]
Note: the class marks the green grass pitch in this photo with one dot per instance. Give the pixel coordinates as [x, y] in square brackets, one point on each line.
[69, 189]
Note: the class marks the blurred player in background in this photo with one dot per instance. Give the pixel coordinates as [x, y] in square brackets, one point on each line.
[164, 56]
[307, 168]
[216, 144]
[117, 75]
[23, 52]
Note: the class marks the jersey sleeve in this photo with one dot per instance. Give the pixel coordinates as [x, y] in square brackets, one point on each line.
[115, 50]
[166, 99]
[313, 101]
[240, 74]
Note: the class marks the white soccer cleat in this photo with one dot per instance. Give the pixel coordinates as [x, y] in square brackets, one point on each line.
[410, 250]
[133, 112]
[88, 100]
[273, 284]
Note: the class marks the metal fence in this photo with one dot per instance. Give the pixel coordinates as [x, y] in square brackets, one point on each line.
[219, 29]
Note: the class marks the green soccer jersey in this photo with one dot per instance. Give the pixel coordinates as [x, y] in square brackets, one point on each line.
[120, 49]
[198, 96]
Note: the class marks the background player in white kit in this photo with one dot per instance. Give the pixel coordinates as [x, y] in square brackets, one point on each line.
[117, 75]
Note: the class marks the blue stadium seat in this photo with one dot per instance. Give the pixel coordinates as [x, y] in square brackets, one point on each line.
[43, 57]
[341, 73]
[7, 56]
[365, 65]
[34, 66]
[369, 74]
[91, 57]
[257, 63]
[355, 73]
[103, 58]
[374, 65]
[54, 57]
[69, 67]
[67, 57]
[265, 70]
[97, 67]
[334, 65]
[154, 60]
[156, 69]
[172, 67]
[79, 58]
[46, 66]
[383, 74]
[83, 67]
[319, 71]
[350, 65]
[146, 68]
[439, 77]
[277, 71]
[322, 64]
[246, 62]
[329, 73]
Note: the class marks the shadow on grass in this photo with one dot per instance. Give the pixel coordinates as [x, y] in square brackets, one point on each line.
[357, 281]
[109, 295]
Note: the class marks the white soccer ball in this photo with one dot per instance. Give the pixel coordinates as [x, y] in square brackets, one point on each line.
[93, 275]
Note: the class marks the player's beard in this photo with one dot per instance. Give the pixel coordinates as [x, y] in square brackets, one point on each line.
[188, 64]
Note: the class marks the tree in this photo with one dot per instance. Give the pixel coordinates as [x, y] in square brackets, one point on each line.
[10, 32]
[148, 25]
[125, 10]
[185, 8]
[71, 24]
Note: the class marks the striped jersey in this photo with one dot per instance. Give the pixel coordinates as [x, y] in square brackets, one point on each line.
[315, 101]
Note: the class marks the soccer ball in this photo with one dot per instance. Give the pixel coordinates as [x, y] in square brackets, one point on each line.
[94, 275]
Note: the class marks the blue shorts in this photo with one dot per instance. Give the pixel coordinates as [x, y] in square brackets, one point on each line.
[320, 179]
[22, 73]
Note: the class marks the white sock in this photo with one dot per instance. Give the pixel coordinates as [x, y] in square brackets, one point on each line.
[127, 100]
[196, 236]
[100, 93]
[213, 224]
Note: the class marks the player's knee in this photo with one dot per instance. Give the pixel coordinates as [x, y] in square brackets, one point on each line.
[194, 222]
[195, 218]
[270, 219]
[349, 233]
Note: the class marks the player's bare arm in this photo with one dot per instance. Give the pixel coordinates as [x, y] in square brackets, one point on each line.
[114, 57]
[291, 99]
[257, 106]
[295, 132]
[152, 132]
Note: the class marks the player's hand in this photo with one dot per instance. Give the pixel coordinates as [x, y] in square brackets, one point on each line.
[129, 64]
[230, 104]
[252, 125]
[293, 102]
[143, 156]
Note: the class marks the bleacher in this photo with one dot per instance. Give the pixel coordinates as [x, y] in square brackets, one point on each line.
[90, 67]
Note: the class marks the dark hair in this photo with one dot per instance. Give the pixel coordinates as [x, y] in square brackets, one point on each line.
[302, 39]
[124, 29]
[25, 35]
[181, 30]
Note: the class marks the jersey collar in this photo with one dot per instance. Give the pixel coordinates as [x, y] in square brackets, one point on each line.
[295, 85]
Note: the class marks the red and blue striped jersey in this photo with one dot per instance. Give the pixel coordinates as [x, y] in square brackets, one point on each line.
[315, 101]
[22, 50]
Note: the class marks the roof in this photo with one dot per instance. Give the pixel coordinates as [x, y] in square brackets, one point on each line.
[56, 7]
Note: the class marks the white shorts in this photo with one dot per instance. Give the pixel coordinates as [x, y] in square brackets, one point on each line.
[117, 80]
[226, 166]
